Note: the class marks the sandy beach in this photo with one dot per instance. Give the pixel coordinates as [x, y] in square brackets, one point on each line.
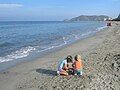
[101, 58]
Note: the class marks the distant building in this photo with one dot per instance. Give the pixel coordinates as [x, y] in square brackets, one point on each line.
[107, 19]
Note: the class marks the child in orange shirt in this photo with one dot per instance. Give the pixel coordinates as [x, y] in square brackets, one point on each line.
[77, 65]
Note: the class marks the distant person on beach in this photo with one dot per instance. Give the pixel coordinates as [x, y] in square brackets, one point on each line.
[109, 23]
[78, 66]
[64, 66]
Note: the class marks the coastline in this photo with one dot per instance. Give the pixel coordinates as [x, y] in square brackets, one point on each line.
[39, 74]
[36, 55]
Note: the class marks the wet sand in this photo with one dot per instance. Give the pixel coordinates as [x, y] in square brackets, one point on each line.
[101, 58]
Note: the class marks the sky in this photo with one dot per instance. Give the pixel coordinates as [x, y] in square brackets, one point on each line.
[55, 10]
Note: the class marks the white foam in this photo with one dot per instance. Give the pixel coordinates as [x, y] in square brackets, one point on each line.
[101, 28]
[51, 47]
[90, 32]
[64, 40]
[18, 54]
[76, 36]
[86, 34]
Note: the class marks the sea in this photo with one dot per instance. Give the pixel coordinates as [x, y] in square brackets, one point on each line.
[27, 40]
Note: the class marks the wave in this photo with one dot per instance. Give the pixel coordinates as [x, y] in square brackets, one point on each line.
[101, 28]
[86, 34]
[24, 52]
[5, 44]
[92, 32]
[51, 47]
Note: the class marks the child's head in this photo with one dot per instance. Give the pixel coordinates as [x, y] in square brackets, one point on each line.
[69, 59]
[77, 57]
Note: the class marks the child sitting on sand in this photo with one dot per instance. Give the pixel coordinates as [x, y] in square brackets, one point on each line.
[77, 65]
[63, 66]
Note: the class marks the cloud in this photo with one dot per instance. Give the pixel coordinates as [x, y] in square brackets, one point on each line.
[10, 5]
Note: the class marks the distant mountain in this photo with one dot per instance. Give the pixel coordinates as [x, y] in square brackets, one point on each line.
[117, 19]
[89, 18]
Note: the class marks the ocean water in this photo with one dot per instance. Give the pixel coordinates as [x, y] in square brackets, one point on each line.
[20, 39]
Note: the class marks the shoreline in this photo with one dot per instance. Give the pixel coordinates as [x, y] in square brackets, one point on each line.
[4, 66]
[39, 74]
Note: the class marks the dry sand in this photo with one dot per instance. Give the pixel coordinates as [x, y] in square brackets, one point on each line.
[101, 58]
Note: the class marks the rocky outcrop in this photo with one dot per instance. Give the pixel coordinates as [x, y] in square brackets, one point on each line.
[117, 19]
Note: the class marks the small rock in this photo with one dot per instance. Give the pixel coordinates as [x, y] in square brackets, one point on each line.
[112, 65]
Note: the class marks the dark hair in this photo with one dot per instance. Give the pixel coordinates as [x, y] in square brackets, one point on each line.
[75, 57]
[69, 59]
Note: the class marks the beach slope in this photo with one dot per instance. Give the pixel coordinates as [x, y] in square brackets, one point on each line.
[101, 58]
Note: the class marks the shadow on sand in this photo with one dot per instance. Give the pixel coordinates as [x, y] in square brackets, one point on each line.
[46, 71]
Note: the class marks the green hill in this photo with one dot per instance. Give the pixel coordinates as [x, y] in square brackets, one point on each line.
[89, 18]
